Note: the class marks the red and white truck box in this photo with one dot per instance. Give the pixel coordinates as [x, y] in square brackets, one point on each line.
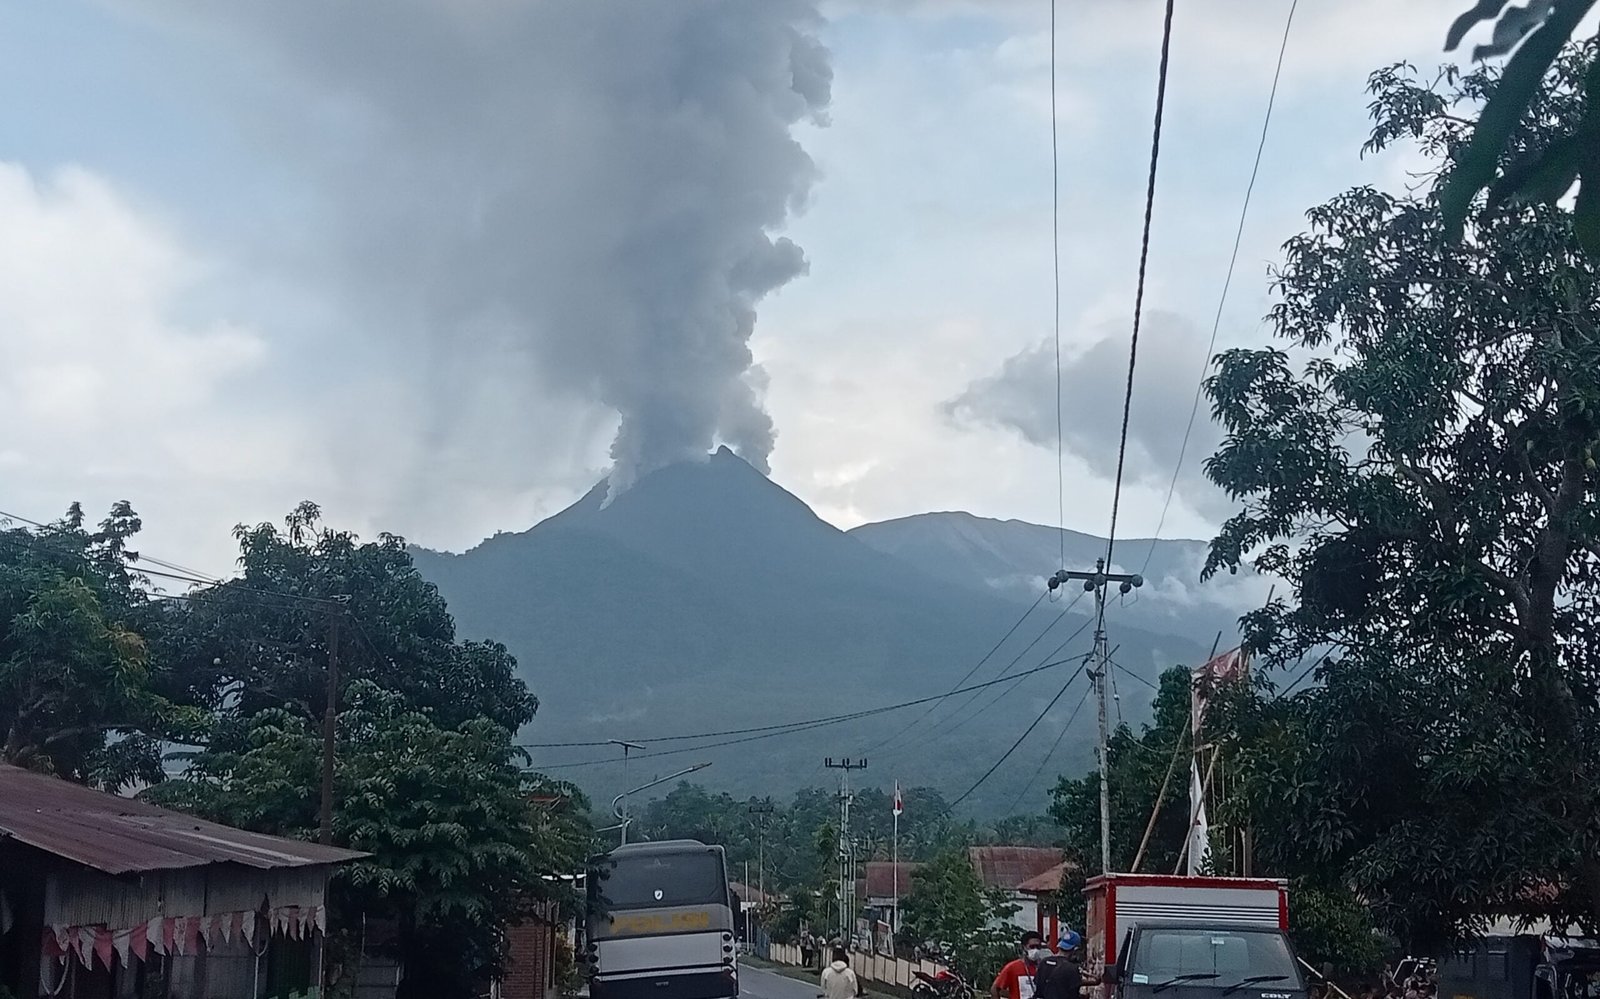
[1118, 902]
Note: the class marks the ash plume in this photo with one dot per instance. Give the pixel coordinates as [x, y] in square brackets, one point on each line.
[586, 194]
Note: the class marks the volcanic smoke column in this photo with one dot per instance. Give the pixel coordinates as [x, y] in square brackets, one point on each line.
[582, 193]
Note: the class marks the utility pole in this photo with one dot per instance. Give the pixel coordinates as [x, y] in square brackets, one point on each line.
[762, 813]
[1095, 582]
[626, 748]
[847, 852]
[330, 709]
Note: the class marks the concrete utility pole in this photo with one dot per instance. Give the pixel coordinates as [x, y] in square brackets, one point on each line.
[761, 813]
[847, 851]
[1095, 582]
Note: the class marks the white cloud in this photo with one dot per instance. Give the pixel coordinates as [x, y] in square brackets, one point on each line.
[105, 385]
[211, 381]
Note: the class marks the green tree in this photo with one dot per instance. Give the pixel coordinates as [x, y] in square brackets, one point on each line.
[1422, 471]
[262, 640]
[76, 676]
[1541, 172]
[457, 847]
[950, 908]
[1139, 766]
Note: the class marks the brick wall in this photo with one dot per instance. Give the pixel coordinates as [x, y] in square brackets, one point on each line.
[529, 965]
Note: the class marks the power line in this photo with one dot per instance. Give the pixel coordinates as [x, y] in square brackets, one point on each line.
[1148, 683]
[1008, 667]
[1055, 275]
[1144, 259]
[180, 574]
[1053, 747]
[1303, 674]
[1227, 282]
[969, 674]
[1025, 733]
[772, 731]
[1016, 682]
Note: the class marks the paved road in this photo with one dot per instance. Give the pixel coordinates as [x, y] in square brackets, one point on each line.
[760, 984]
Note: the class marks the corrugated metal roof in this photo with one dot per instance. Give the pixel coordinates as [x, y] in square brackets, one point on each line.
[1009, 866]
[1048, 881]
[879, 878]
[123, 835]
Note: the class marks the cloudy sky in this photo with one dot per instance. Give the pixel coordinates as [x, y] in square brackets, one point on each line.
[439, 266]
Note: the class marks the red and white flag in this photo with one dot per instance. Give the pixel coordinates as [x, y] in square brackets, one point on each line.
[899, 805]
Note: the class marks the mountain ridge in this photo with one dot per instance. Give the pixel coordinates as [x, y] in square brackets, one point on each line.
[707, 598]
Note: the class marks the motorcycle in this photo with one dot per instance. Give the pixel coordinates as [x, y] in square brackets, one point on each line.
[946, 984]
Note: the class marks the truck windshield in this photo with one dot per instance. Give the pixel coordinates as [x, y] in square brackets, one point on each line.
[1227, 956]
[652, 881]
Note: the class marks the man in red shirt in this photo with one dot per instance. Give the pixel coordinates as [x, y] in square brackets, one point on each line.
[1015, 980]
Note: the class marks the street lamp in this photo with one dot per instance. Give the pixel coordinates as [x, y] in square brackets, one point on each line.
[616, 803]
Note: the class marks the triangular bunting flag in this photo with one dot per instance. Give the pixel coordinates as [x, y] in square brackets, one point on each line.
[141, 940]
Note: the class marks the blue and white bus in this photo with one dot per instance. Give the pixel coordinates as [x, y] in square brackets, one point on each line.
[661, 923]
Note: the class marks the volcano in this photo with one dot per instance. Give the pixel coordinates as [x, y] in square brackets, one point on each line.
[706, 598]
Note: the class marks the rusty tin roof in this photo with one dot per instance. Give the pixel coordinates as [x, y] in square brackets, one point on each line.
[124, 835]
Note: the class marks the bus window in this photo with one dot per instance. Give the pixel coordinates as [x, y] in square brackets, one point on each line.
[653, 881]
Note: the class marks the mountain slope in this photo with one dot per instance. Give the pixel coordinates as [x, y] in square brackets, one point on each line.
[706, 598]
[1012, 558]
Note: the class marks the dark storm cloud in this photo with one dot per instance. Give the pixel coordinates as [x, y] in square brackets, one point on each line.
[582, 192]
[1021, 397]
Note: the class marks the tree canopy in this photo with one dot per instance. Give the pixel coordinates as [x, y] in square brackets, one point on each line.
[949, 908]
[1417, 459]
[100, 673]
[77, 680]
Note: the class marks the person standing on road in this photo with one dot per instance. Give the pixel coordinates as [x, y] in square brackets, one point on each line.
[838, 981]
[1017, 979]
[1060, 975]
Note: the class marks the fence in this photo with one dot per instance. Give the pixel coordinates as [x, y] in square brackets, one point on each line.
[868, 967]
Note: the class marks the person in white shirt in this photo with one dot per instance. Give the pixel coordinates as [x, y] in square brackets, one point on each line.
[838, 981]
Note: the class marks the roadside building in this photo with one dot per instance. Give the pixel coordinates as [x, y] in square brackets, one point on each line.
[533, 954]
[882, 890]
[1008, 868]
[1045, 891]
[105, 897]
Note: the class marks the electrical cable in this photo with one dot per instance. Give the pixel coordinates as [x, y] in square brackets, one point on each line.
[1025, 733]
[969, 674]
[771, 731]
[1144, 260]
[1007, 692]
[962, 709]
[1012, 810]
[1148, 683]
[1055, 276]
[1227, 282]
[1303, 674]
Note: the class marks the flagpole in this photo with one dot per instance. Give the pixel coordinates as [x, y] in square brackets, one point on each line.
[894, 914]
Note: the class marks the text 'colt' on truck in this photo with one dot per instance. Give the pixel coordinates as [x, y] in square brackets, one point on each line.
[1151, 935]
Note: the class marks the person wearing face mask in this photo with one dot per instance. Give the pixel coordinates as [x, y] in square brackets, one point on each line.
[1016, 980]
[1060, 975]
